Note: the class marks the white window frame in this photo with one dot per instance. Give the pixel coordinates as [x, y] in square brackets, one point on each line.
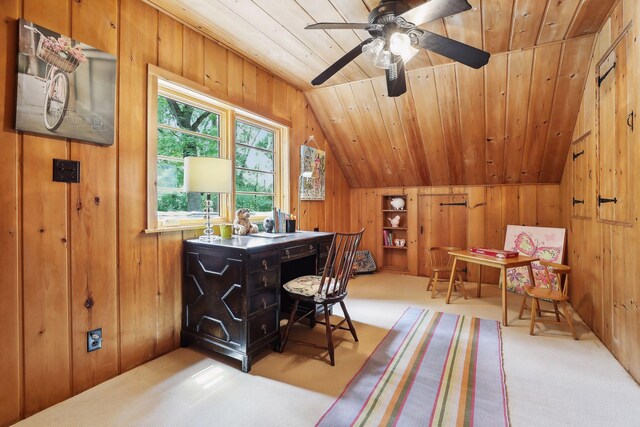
[162, 82]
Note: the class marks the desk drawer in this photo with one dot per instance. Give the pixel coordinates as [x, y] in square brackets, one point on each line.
[264, 261]
[263, 325]
[263, 279]
[262, 300]
[299, 251]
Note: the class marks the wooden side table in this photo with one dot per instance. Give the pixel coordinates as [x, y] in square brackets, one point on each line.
[490, 261]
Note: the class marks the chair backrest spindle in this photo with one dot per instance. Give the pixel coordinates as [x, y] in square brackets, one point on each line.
[339, 264]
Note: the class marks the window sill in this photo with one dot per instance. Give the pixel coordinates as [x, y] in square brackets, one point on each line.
[172, 229]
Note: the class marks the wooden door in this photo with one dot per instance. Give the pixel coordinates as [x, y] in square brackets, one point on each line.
[582, 198]
[615, 127]
[442, 222]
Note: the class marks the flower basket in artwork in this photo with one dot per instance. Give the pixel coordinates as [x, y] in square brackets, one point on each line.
[59, 53]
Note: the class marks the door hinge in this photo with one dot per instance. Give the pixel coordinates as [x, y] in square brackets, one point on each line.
[454, 204]
[577, 202]
[604, 76]
[578, 154]
[602, 200]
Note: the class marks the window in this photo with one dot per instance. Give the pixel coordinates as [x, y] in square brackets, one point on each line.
[184, 121]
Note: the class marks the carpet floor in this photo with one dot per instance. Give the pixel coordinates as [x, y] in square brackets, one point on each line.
[551, 379]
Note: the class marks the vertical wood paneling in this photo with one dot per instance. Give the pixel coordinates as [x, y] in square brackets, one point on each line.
[170, 44]
[138, 275]
[602, 255]
[471, 88]
[450, 119]
[496, 22]
[215, 70]
[192, 56]
[46, 283]
[527, 19]
[496, 110]
[93, 211]
[11, 367]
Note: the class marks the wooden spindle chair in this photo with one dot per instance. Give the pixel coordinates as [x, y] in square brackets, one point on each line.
[557, 295]
[325, 291]
[441, 263]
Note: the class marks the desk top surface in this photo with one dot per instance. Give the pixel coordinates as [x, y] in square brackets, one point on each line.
[256, 243]
[468, 255]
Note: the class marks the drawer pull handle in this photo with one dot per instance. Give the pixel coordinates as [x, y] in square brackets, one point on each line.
[264, 328]
[264, 264]
[265, 281]
[310, 247]
[287, 252]
[264, 303]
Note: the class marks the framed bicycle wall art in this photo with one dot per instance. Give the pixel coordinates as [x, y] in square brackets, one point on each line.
[65, 88]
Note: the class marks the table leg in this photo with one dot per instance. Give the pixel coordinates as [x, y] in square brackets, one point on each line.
[451, 278]
[503, 273]
[479, 286]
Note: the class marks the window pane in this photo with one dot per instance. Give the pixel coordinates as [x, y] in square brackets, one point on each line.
[254, 136]
[179, 144]
[257, 204]
[184, 116]
[250, 158]
[189, 204]
[254, 182]
[170, 174]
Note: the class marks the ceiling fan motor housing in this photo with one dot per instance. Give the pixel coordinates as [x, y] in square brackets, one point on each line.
[386, 11]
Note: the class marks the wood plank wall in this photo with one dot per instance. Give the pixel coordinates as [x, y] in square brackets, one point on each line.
[62, 244]
[490, 209]
[604, 256]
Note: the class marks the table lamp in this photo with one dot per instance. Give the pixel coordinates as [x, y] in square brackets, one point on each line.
[207, 175]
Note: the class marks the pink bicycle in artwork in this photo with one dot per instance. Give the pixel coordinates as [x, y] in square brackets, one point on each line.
[62, 59]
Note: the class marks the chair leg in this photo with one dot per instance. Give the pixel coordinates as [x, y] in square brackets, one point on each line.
[555, 307]
[534, 309]
[348, 318]
[327, 322]
[434, 281]
[567, 316]
[429, 283]
[523, 306]
[464, 290]
[290, 322]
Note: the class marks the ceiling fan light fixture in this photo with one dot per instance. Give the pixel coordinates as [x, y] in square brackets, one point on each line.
[372, 50]
[400, 44]
[384, 59]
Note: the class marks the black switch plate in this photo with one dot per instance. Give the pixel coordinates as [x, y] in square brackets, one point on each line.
[66, 170]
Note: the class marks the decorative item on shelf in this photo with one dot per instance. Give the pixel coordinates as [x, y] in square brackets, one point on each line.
[268, 224]
[395, 221]
[207, 175]
[399, 242]
[242, 225]
[397, 203]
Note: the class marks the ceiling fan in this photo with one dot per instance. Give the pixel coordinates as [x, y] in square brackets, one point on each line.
[395, 38]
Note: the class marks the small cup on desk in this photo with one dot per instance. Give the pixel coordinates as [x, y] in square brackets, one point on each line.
[226, 231]
[290, 225]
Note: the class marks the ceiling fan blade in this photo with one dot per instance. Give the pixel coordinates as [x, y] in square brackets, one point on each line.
[337, 26]
[435, 9]
[337, 66]
[460, 52]
[396, 80]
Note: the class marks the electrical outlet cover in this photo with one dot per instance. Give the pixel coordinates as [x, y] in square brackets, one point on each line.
[94, 340]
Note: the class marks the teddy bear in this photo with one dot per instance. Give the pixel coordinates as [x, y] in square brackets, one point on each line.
[242, 225]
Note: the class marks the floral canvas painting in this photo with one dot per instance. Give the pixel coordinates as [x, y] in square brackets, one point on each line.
[540, 242]
[65, 88]
[312, 163]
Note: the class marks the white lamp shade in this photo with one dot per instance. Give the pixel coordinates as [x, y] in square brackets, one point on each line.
[207, 175]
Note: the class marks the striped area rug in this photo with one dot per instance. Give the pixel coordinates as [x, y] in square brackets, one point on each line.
[431, 369]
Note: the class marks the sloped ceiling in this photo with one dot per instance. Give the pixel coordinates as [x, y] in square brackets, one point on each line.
[509, 122]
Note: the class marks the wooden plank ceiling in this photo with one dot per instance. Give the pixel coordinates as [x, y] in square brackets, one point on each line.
[509, 122]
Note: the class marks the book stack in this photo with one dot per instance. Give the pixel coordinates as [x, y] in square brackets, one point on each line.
[498, 253]
[387, 238]
[280, 220]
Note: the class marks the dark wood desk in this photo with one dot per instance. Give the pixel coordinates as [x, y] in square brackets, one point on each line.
[231, 289]
[490, 261]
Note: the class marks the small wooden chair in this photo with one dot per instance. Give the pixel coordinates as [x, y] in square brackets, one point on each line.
[441, 263]
[556, 296]
[325, 291]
